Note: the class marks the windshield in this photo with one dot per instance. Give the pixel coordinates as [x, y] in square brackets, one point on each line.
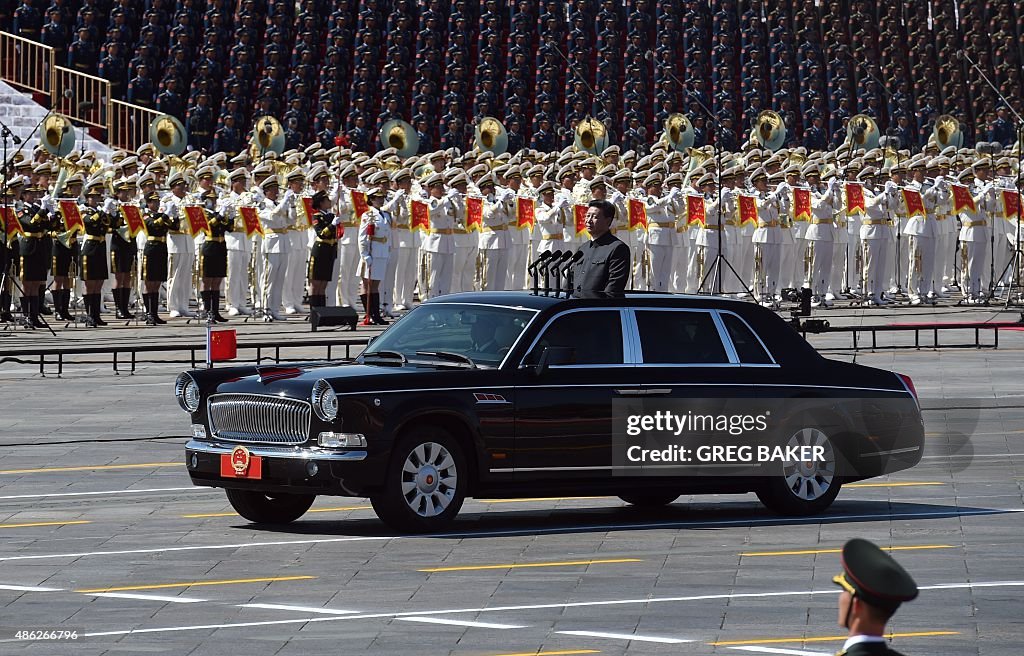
[452, 333]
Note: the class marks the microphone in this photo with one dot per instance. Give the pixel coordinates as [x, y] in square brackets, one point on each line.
[69, 93]
[540, 260]
[85, 106]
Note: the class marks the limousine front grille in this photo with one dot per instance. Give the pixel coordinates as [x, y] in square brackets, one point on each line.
[258, 418]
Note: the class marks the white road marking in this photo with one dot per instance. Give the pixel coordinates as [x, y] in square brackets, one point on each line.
[147, 597]
[467, 623]
[300, 609]
[105, 492]
[758, 521]
[778, 650]
[558, 605]
[625, 636]
[28, 588]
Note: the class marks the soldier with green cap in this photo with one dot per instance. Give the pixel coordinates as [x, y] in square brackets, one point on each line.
[874, 585]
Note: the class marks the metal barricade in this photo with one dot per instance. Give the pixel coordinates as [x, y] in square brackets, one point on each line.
[129, 124]
[88, 98]
[26, 64]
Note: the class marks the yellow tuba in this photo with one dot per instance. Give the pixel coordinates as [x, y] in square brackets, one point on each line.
[591, 136]
[947, 132]
[769, 130]
[678, 132]
[862, 131]
[401, 136]
[267, 136]
[491, 136]
[168, 135]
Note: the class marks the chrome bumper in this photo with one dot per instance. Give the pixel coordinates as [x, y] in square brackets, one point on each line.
[294, 453]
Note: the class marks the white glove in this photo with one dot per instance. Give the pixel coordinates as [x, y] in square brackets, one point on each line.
[368, 261]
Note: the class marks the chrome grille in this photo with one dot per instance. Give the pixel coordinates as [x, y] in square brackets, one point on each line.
[258, 418]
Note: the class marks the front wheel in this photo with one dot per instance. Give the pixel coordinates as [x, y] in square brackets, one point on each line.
[804, 487]
[264, 508]
[425, 484]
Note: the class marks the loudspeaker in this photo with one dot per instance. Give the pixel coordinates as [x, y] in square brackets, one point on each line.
[332, 316]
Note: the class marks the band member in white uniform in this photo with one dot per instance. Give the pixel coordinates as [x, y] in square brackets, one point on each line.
[661, 231]
[374, 249]
[439, 244]
[875, 236]
[347, 292]
[396, 290]
[820, 233]
[466, 242]
[181, 248]
[275, 218]
[767, 239]
[239, 246]
[494, 240]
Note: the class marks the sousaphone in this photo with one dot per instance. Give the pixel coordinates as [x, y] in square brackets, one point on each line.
[168, 135]
[58, 135]
[491, 136]
[769, 130]
[591, 136]
[267, 136]
[862, 131]
[401, 136]
[947, 132]
[678, 132]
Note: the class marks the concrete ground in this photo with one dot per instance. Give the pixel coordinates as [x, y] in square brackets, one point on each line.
[104, 534]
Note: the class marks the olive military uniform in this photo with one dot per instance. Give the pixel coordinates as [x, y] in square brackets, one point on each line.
[325, 248]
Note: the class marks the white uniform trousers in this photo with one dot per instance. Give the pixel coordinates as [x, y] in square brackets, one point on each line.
[821, 266]
[641, 267]
[799, 269]
[787, 267]
[256, 291]
[770, 256]
[517, 259]
[387, 285]
[973, 275]
[295, 275]
[945, 245]
[692, 267]
[920, 265]
[274, 270]
[496, 265]
[1002, 254]
[741, 257]
[405, 259]
[439, 276]
[843, 255]
[661, 266]
[179, 281]
[876, 256]
[348, 282]
[680, 264]
[237, 282]
[463, 274]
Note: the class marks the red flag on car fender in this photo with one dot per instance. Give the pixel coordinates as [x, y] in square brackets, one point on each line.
[223, 345]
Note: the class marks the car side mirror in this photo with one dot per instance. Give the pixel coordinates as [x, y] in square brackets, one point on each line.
[554, 355]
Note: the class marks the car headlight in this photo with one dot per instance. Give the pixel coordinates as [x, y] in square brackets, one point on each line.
[187, 390]
[325, 401]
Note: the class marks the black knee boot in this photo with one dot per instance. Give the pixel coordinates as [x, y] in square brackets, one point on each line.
[375, 310]
[33, 312]
[92, 309]
[42, 301]
[367, 321]
[5, 307]
[62, 304]
[121, 303]
[97, 304]
[215, 307]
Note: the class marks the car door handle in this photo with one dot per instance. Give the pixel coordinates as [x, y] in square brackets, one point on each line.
[653, 391]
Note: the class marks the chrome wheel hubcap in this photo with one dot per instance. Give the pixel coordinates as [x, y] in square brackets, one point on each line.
[810, 480]
[429, 479]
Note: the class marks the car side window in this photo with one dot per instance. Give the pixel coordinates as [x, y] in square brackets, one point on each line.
[680, 338]
[595, 337]
[748, 348]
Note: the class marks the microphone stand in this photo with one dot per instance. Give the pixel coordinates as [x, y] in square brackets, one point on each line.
[720, 259]
[552, 263]
[1016, 258]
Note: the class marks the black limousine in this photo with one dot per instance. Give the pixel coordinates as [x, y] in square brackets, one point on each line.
[510, 394]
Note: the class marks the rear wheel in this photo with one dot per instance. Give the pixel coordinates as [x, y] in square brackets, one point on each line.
[425, 484]
[265, 508]
[649, 499]
[804, 487]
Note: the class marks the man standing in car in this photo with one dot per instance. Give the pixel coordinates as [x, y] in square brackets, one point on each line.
[603, 268]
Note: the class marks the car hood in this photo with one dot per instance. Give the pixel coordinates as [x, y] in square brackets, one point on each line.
[296, 380]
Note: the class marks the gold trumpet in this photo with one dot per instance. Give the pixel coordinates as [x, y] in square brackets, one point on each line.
[66, 238]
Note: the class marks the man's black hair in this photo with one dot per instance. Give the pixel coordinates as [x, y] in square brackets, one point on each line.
[607, 209]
